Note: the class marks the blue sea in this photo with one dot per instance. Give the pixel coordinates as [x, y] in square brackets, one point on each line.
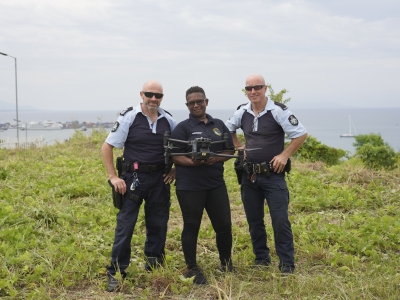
[324, 124]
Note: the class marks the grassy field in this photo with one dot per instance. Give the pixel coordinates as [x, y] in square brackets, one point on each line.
[57, 224]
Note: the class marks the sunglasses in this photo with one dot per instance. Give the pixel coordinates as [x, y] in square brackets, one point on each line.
[150, 95]
[255, 87]
[192, 103]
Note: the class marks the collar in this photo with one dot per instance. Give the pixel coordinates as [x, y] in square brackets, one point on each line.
[161, 112]
[194, 121]
[270, 106]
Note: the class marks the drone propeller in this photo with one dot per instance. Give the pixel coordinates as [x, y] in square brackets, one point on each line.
[251, 149]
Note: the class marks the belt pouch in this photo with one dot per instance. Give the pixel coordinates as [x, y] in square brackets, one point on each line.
[238, 170]
[135, 198]
[264, 168]
[288, 166]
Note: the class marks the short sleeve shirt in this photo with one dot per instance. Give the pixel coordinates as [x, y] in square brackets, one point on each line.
[143, 141]
[202, 177]
[265, 132]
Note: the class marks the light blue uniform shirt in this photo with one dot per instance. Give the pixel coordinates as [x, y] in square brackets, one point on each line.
[282, 117]
[118, 137]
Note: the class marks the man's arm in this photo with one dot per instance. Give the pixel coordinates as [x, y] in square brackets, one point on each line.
[108, 159]
[279, 161]
[236, 141]
[186, 161]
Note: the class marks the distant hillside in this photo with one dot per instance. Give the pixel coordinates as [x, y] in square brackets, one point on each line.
[7, 106]
[317, 105]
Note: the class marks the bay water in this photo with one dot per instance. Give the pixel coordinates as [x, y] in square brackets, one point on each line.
[324, 124]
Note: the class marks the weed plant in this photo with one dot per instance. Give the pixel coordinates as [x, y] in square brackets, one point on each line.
[57, 226]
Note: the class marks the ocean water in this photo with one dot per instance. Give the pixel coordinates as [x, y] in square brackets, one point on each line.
[324, 124]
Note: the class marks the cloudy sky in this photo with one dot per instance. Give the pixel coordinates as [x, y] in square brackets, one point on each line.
[96, 55]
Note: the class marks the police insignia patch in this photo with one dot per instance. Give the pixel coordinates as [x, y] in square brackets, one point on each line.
[217, 131]
[115, 126]
[293, 120]
[122, 113]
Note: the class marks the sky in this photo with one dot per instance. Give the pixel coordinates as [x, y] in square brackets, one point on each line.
[96, 55]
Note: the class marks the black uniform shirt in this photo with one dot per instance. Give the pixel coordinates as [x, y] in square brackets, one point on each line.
[269, 138]
[202, 177]
[266, 131]
[143, 141]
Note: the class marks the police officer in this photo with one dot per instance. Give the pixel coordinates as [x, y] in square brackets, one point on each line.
[264, 124]
[200, 183]
[140, 130]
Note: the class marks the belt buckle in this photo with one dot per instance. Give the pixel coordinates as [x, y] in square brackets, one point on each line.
[257, 168]
[152, 168]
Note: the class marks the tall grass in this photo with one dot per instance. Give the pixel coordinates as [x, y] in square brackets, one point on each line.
[57, 225]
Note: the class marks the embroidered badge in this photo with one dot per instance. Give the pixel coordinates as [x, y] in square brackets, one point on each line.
[122, 113]
[217, 131]
[115, 127]
[293, 120]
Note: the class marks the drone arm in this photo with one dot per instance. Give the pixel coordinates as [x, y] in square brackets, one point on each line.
[179, 141]
[222, 156]
[182, 160]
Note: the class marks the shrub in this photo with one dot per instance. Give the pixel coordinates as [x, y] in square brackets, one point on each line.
[313, 150]
[374, 152]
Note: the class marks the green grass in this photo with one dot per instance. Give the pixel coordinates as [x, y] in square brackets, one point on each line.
[57, 225]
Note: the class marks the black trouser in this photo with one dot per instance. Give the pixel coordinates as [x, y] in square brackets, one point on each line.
[156, 208]
[274, 190]
[216, 203]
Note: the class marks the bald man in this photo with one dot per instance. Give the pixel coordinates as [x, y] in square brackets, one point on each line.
[264, 124]
[143, 176]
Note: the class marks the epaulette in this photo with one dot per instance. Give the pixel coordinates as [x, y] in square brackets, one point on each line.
[281, 105]
[167, 112]
[122, 113]
[240, 106]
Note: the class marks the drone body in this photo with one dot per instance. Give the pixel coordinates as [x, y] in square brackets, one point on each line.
[200, 149]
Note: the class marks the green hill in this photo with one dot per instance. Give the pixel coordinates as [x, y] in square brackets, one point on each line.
[57, 226]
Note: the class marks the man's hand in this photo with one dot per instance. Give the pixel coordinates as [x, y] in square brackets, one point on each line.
[212, 160]
[170, 177]
[279, 162]
[242, 147]
[119, 184]
[197, 162]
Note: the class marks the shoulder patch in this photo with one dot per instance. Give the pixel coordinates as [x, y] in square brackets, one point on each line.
[293, 120]
[240, 106]
[115, 127]
[122, 113]
[167, 112]
[281, 105]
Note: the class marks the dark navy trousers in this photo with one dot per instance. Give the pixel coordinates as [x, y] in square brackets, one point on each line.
[216, 203]
[274, 190]
[156, 196]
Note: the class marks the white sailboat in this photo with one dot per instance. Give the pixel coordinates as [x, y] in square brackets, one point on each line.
[349, 134]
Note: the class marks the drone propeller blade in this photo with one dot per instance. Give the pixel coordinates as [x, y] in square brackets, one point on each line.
[252, 149]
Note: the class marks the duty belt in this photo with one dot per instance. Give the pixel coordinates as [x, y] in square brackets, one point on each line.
[136, 167]
[263, 167]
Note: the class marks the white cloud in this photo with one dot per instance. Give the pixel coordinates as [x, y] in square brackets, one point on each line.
[99, 53]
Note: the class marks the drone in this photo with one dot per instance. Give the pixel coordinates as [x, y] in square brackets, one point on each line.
[200, 148]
